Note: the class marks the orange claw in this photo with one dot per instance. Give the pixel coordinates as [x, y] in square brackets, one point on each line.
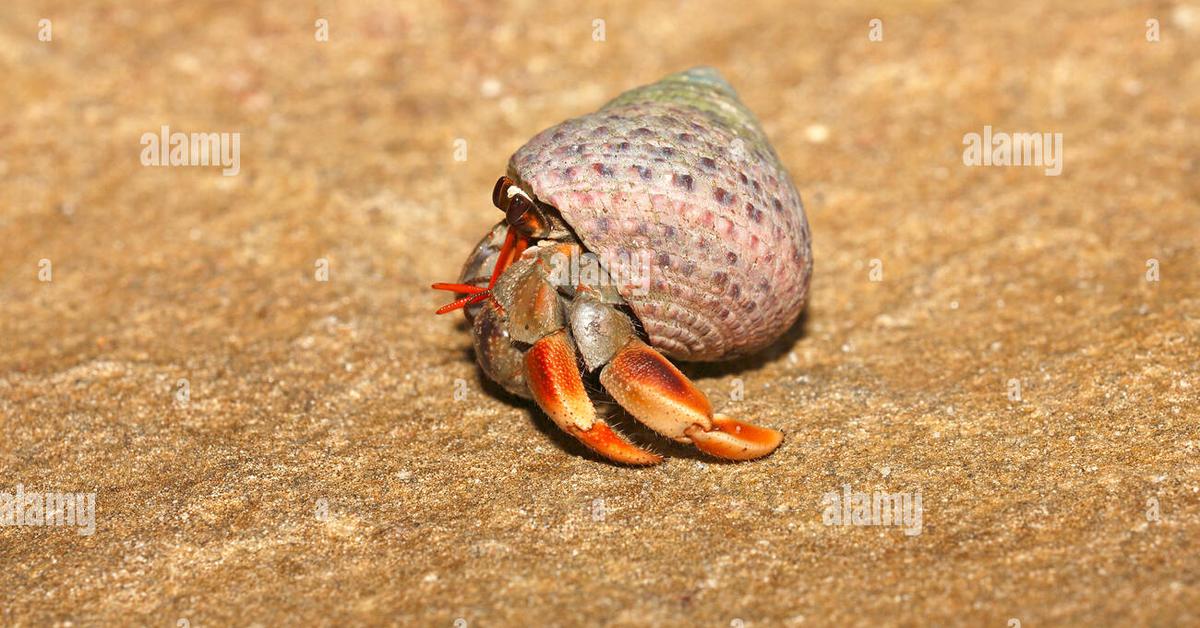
[644, 382]
[604, 441]
[735, 440]
[556, 384]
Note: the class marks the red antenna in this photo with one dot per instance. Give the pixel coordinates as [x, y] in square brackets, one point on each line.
[509, 252]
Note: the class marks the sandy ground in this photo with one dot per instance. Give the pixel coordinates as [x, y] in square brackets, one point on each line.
[320, 469]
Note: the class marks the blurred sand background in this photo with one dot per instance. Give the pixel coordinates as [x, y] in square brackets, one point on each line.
[343, 391]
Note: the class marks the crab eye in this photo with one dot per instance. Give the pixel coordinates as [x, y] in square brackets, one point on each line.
[520, 211]
[500, 192]
[521, 214]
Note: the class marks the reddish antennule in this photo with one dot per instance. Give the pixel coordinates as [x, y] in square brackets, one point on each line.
[475, 295]
[513, 245]
[508, 254]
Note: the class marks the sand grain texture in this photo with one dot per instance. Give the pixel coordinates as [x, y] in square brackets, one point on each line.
[438, 509]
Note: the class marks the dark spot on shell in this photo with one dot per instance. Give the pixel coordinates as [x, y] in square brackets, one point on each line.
[707, 162]
[757, 187]
[669, 231]
[688, 268]
[644, 172]
[569, 172]
[643, 131]
[735, 291]
[753, 212]
[742, 177]
[778, 205]
[558, 135]
[600, 130]
[623, 146]
[664, 260]
[722, 196]
[667, 151]
[685, 137]
[602, 170]
[601, 224]
[697, 126]
[751, 306]
[764, 287]
[731, 257]
[720, 278]
[683, 181]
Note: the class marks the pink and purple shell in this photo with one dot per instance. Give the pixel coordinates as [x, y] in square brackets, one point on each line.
[680, 174]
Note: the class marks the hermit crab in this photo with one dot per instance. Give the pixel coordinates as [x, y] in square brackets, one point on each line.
[661, 225]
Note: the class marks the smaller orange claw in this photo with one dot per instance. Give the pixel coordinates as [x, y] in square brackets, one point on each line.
[735, 440]
[554, 380]
[604, 441]
[651, 388]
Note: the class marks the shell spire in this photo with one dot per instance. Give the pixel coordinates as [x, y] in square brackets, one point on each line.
[677, 179]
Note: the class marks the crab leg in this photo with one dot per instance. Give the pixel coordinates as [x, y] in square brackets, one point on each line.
[509, 252]
[554, 379]
[653, 390]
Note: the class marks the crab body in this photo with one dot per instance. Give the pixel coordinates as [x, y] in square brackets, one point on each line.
[662, 224]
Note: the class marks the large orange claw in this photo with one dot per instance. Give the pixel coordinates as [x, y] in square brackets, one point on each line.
[735, 440]
[659, 395]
